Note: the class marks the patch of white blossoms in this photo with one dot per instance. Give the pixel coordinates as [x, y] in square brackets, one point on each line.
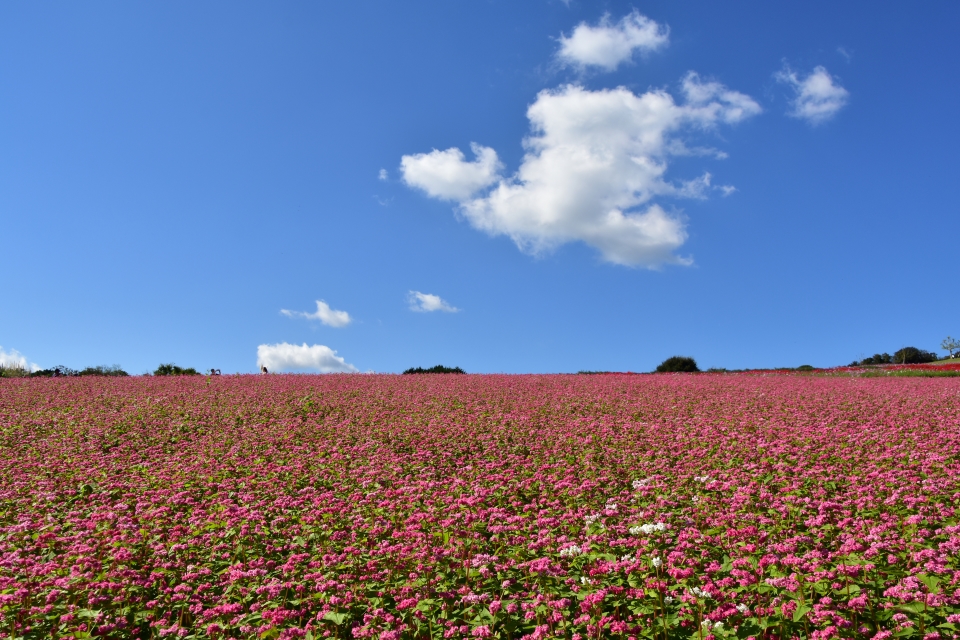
[640, 484]
[700, 593]
[571, 551]
[647, 529]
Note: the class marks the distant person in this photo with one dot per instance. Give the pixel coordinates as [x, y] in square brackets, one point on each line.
[263, 369]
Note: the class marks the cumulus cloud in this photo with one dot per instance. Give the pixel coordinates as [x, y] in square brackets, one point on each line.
[14, 358]
[290, 357]
[606, 44]
[594, 162]
[326, 315]
[818, 96]
[425, 302]
[446, 175]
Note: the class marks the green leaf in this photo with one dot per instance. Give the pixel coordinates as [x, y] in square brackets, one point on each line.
[335, 617]
[800, 612]
[931, 582]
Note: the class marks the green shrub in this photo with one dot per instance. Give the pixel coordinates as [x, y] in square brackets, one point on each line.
[437, 369]
[13, 371]
[102, 370]
[675, 364]
[912, 355]
[806, 367]
[173, 370]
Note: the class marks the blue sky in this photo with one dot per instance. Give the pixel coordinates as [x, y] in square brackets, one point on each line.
[173, 176]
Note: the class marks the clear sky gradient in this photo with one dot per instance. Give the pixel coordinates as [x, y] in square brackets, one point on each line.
[183, 182]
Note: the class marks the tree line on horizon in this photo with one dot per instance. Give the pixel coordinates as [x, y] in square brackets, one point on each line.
[673, 364]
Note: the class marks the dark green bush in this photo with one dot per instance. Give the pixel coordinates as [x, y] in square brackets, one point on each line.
[102, 370]
[912, 355]
[437, 369]
[681, 364]
[806, 367]
[173, 370]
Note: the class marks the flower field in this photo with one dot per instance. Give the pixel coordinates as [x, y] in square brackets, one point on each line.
[658, 506]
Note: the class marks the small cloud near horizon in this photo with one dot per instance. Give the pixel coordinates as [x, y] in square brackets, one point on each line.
[285, 357]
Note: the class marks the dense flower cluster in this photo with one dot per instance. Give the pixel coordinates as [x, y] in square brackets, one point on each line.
[480, 507]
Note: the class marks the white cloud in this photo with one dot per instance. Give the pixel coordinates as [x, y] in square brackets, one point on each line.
[606, 45]
[326, 315]
[818, 95]
[383, 175]
[425, 302]
[445, 174]
[594, 162]
[290, 357]
[14, 358]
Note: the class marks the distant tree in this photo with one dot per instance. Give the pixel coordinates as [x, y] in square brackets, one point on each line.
[877, 358]
[57, 372]
[950, 344]
[102, 370]
[912, 355]
[806, 367]
[437, 369]
[678, 364]
[173, 370]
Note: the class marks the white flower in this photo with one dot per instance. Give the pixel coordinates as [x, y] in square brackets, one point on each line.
[585, 580]
[668, 599]
[700, 593]
[742, 608]
[626, 558]
[640, 484]
[657, 562]
[571, 551]
[591, 518]
[702, 478]
[705, 623]
[718, 625]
